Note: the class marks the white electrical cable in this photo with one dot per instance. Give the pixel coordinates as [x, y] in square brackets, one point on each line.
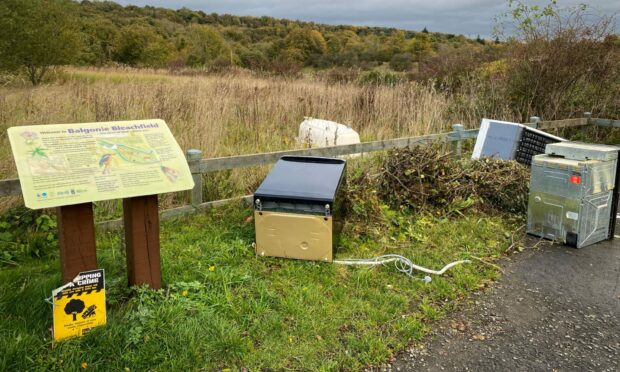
[403, 264]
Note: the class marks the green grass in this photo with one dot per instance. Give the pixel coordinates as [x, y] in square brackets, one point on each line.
[92, 76]
[223, 307]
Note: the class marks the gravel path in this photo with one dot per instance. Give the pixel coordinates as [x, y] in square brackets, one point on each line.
[555, 309]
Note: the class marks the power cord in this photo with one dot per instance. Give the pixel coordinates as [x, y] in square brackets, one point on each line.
[403, 264]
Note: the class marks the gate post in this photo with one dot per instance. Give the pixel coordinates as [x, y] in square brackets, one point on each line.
[457, 146]
[193, 157]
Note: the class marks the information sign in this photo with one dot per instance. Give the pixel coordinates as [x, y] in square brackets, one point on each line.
[65, 164]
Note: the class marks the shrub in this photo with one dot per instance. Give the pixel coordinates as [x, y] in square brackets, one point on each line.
[220, 64]
[342, 75]
[253, 59]
[284, 67]
[26, 233]
[376, 77]
[401, 62]
[451, 67]
[562, 61]
[205, 46]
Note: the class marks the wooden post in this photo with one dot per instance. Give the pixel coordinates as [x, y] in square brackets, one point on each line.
[193, 159]
[588, 115]
[141, 221]
[457, 146]
[76, 238]
[534, 120]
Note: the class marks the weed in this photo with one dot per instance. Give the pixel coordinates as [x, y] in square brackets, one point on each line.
[26, 233]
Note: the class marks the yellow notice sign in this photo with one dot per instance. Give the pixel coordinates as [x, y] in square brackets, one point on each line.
[79, 305]
[64, 164]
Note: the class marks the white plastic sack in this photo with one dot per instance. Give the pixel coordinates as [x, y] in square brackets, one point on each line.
[322, 133]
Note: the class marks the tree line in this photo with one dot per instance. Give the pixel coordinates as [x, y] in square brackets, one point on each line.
[37, 34]
[553, 62]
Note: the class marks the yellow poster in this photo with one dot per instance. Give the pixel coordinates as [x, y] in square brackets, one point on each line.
[64, 164]
[79, 305]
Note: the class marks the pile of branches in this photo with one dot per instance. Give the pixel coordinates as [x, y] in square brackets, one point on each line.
[424, 178]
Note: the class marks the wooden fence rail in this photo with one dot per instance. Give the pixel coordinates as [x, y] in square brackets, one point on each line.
[605, 122]
[12, 187]
[200, 166]
[241, 161]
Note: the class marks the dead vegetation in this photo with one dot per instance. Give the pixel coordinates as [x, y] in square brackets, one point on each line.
[227, 114]
[428, 179]
[425, 177]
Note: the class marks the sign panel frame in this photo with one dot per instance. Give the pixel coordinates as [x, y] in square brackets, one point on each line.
[67, 164]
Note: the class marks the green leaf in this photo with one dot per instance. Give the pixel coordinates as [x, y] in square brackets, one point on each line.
[6, 236]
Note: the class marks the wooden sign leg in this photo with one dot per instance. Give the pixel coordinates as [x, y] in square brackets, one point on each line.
[142, 240]
[76, 238]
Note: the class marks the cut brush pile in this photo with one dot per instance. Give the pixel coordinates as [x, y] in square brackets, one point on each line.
[425, 178]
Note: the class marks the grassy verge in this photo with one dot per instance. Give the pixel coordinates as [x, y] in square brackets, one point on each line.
[223, 307]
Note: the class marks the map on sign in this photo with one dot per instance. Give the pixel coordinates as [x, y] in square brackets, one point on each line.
[65, 164]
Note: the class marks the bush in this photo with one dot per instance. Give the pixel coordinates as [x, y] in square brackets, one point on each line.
[26, 233]
[376, 77]
[284, 67]
[253, 59]
[205, 45]
[562, 61]
[220, 64]
[176, 65]
[401, 62]
[451, 67]
[342, 75]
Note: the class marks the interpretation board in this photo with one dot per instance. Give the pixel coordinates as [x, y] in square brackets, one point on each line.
[79, 305]
[66, 164]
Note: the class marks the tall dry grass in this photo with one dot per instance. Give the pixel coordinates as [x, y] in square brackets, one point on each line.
[228, 114]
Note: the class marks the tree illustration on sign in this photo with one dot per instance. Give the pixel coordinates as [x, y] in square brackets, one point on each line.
[74, 307]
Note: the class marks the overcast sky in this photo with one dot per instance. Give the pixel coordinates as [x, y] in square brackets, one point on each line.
[468, 17]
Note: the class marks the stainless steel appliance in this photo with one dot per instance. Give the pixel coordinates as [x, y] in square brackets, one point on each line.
[573, 193]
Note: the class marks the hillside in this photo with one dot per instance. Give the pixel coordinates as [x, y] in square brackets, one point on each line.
[158, 37]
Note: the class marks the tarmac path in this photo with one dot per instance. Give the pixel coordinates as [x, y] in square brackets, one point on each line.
[555, 309]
